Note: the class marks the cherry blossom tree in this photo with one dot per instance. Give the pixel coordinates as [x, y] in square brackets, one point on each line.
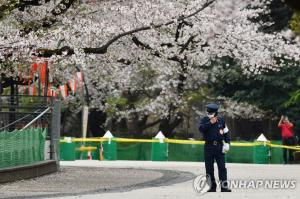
[141, 58]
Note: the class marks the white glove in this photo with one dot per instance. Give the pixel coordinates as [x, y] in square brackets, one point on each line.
[225, 148]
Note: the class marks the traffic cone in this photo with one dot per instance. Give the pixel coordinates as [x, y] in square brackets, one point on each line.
[89, 155]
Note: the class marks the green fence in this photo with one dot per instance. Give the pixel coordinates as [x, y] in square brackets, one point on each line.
[22, 147]
[171, 150]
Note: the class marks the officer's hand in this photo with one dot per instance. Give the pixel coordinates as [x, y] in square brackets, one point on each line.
[225, 148]
[213, 120]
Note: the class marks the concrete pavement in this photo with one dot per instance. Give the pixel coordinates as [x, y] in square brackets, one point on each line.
[186, 190]
[145, 179]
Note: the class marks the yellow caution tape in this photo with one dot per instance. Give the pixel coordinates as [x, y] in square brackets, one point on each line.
[89, 139]
[242, 144]
[173, 141]
[133, 140]
[176, 141]
[297, 148]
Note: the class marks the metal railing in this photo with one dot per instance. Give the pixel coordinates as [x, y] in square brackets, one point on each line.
[17, 111]
[21, 112]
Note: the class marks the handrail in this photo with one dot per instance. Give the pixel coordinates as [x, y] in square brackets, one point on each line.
[2, 128]
[40, 115]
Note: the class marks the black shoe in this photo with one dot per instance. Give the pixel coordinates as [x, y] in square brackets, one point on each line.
[212, 190]
[225, 190]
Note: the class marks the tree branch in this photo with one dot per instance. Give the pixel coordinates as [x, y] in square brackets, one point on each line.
[103, 49]
[17, 4]
[152, 124]
[48, 21]
[124, 61]
[179, 27]
[185, 46]
[140, 44]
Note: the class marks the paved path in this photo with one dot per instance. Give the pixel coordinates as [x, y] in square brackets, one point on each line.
[147, 180]
[185, 190]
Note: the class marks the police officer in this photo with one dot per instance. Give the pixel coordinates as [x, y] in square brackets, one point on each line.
[215, 134]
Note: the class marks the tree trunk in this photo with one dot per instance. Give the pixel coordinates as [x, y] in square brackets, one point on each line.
[96, 123]
[168, 125]
[136, 125]
[12, 114]
[71, 123]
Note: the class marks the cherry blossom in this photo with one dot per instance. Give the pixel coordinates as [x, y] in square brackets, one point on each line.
[150, 52]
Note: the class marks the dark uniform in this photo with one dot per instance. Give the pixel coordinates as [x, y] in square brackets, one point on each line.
[214, 136]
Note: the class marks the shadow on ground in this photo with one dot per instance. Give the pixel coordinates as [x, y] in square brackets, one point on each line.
[73, 181]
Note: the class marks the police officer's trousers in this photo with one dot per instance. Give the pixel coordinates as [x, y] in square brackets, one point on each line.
[212, 153]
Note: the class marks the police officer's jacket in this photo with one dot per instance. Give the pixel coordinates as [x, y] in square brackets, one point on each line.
[211, 132]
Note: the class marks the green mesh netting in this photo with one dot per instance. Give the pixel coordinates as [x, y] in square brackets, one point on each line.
[22, 147]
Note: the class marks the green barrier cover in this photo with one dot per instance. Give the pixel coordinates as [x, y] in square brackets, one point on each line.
[95, 154]
[22, 147]
[134, 151]
[276, 153]
[156, 151]
[67, 151]
[110, 150]
[83, 155]
[261, 154]
[186, 152]
[238, 154]
[159, 151]
[70, 151]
